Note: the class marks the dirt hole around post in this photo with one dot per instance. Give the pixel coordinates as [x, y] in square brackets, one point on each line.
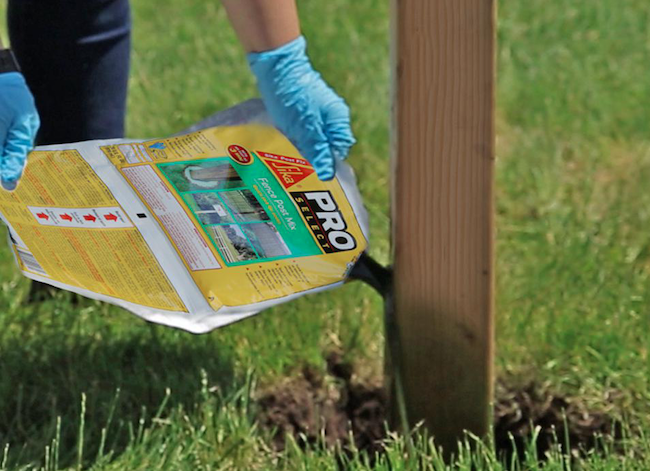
[335, 408]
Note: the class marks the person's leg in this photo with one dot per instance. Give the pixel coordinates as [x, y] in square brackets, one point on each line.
[75, 57]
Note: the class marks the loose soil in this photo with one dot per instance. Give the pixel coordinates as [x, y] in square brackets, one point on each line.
[564, 421]
[337, 409]
[310, 404]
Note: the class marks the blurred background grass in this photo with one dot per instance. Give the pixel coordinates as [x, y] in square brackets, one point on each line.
[572, 241]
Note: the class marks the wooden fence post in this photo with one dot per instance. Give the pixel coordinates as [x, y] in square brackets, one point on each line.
[442, 212]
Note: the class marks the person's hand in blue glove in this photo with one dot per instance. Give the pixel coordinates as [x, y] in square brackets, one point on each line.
[19, 123]
[314, 118]
[301, 104]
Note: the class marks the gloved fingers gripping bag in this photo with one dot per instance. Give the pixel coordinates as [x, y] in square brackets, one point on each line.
[303, 106]
[19, 123]
[194, 231]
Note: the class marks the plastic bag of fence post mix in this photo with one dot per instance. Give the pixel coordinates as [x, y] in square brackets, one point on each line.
[194, 231]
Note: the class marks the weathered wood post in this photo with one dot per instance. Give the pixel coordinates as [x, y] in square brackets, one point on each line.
[443, 157]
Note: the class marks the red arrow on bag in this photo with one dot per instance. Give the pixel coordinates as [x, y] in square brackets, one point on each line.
[42, 216]
[110, 217]
[90, 217]
[66, 217]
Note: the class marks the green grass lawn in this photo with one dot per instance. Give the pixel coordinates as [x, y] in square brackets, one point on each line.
[82, 382]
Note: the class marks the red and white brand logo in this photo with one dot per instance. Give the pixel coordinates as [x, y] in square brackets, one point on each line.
[284, 158]
[240, 155]
[289, 170]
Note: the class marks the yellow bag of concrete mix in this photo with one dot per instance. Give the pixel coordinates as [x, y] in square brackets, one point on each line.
[193, 231]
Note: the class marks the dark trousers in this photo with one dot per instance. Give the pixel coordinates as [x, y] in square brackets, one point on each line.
[75, 57]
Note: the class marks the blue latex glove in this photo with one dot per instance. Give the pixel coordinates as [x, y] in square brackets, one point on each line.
[314, 118]
[19, 123]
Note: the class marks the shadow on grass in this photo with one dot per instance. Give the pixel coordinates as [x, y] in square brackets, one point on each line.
[125, 382]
